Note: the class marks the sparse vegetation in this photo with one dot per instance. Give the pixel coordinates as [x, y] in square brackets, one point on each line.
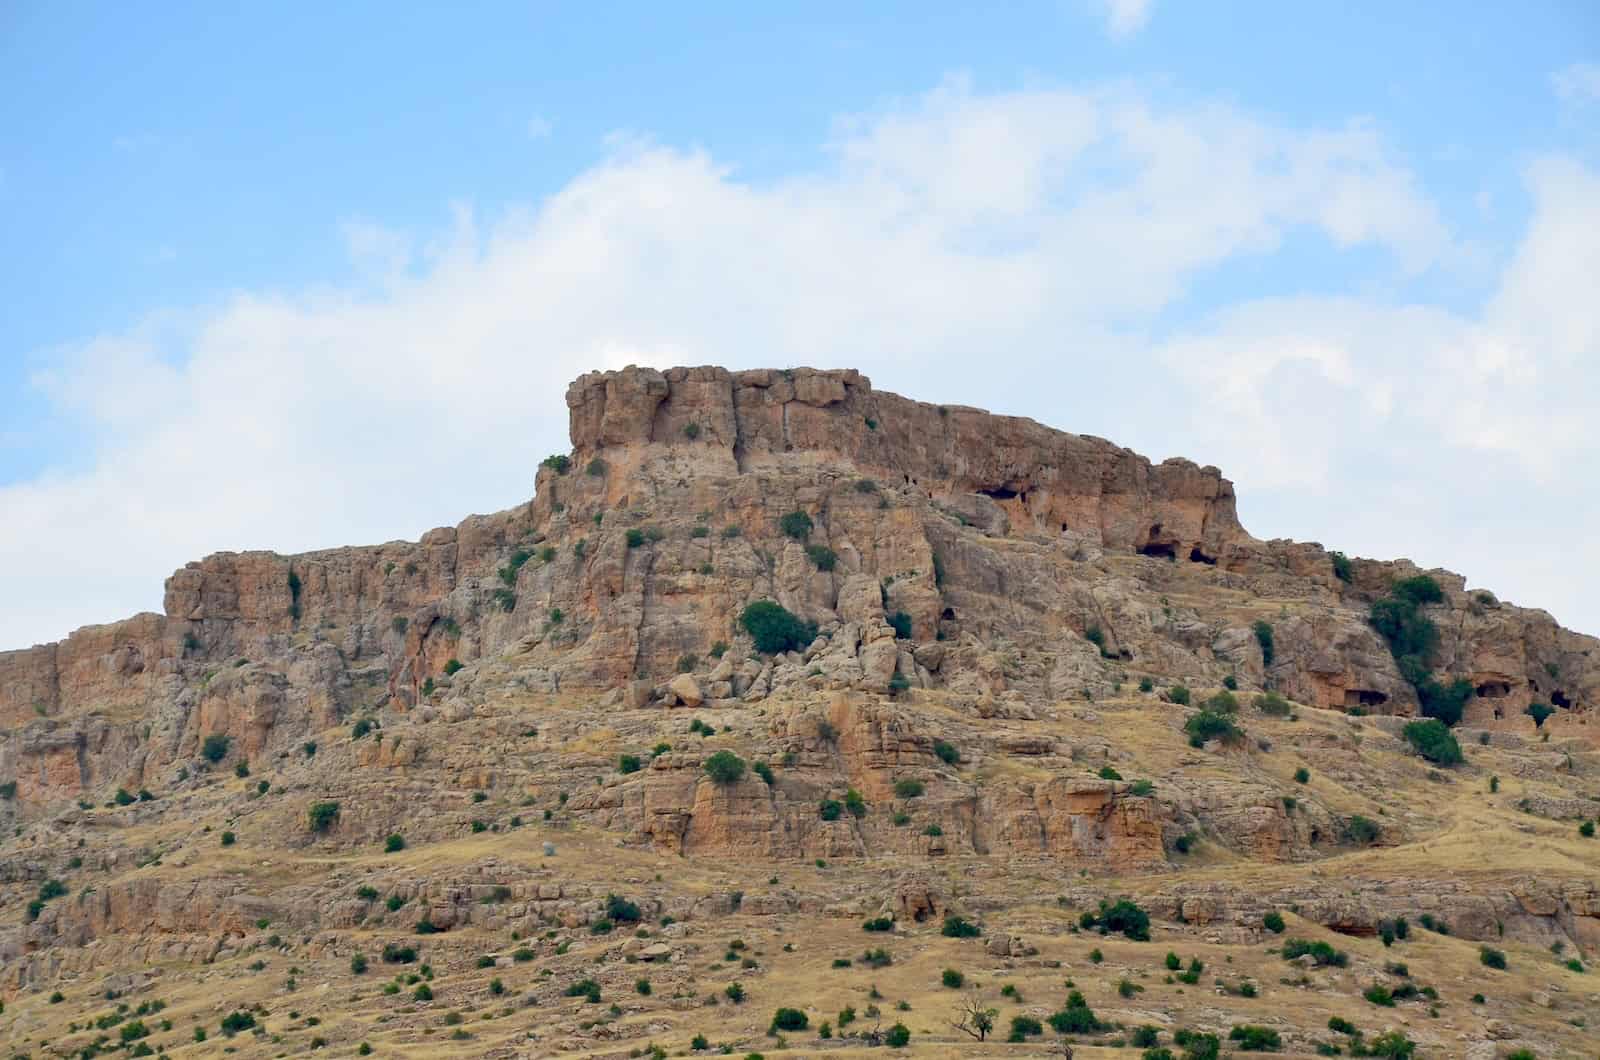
[775, 629]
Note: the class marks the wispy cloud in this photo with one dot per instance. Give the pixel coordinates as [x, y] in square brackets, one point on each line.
[1017, 251]
[1578, 83]
[1124, 18]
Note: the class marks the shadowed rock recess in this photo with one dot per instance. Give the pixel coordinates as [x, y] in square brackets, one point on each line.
[1036, 671]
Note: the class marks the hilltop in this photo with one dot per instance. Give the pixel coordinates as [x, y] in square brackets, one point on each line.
[768, 655]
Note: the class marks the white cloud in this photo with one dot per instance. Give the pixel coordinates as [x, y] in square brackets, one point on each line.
[1011, 250]
[1124, 18]
[1578, 83]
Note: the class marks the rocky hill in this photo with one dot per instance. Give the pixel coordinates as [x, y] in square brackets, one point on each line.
[1005, 672]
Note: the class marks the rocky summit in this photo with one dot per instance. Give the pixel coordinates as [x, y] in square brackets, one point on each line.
[791, 715]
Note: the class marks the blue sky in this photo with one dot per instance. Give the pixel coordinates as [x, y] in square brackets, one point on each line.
[216, 219]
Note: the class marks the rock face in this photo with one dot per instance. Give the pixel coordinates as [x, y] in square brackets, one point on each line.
[998, 539]
[987, 722]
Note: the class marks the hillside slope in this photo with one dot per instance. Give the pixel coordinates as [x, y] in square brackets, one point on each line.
[1007, 644]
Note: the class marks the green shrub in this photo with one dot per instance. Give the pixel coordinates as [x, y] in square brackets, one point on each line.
[946, 752]
[1492, 958]
[908, 788]
[1254, 1039]
[901, 623]
[1122, 916]
[956, 927]
[1076, 1018]
[823, 556]
[1362, 830]
[123, 798]
[1231, 683]
[881, 923]
[797, 525]
[628, 764]
[1178, 694]
[1341, 566]
[1096, 636]
[1586, 829]
[1302, 775]
[1207, 725]
[1224, 702]
[724, 767]
[688, 662]
[621, 910]
[1273, 922]
[933, 830]
[735, 993]
[634, 537]
[358, 964]
[854, 803]
[560, 463]
[1321, 952]
[1198, 1046]
[1263, 632]
[1397, 1046]
[321, 815]
[1273, 704]
[1538, 712]
[829, 809]
[1024, 1027]
[215, 748]
[897, 1037]
[775, 629]
[952, 979]
[1108, 773]
[237, 1021]
[1433, 741]
[452, 667]
[1146, 685]
[789, 1019]
[395, 953]
[587, 989]
[1143, 788]
[228, 839]
[764, 771]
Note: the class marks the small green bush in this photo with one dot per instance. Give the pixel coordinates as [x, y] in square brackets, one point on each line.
[952, 979]
[1146, 685]
[1273, 704]
[823, 556]
[560, 463]
[237, 1021]
[1178, 694]
[1341, 566]
[901, 623]
[1263, 632]
[1434, 741]
[956, 927]
[1207, 725]
[322, 815]
[1362, 830]
[796, 525]
[1302, 775]
[1321, 952]
[1273, 922]
[228, 839]
[789, 1019]
[946, 752]
[628, 764]
[1108, 773]
[897, 1037]
[830, 809]
[1254, 1039]
[394, 844]
[724, 767]
[1024, 1027]
[215, 747]
[1492, 958]
[908, 788]
[775, 629]
[881, 923]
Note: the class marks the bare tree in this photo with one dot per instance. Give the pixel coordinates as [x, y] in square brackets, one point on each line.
[977, 1020]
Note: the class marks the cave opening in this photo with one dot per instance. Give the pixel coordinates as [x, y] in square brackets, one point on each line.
[1196, 556]
[999, 493]
[1160, 549]
[948, 614]
[1364, 697]
[1559, 698]
[1493, 690]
